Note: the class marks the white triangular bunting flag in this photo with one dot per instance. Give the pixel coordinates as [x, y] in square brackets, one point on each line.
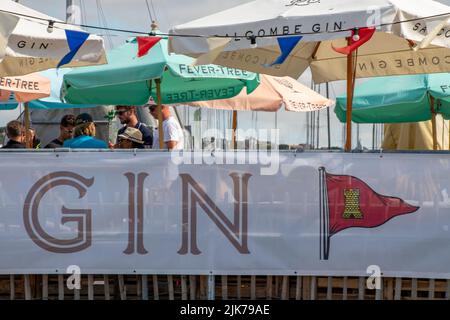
[7, 25]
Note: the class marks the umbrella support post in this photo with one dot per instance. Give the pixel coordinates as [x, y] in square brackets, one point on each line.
[328, 118]
[433, 123]
[233, 138]
[28, 143]
[350, 90]
[160, 118]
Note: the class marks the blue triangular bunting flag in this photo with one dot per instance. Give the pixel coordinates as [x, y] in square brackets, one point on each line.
[75, 40]
[286, 44]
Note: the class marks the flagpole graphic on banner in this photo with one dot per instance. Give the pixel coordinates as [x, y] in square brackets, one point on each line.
[348, 202]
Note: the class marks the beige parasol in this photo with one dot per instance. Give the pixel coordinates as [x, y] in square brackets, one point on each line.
[25, 88]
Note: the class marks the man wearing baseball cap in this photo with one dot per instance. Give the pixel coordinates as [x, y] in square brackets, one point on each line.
[84, 134]
[65, 132]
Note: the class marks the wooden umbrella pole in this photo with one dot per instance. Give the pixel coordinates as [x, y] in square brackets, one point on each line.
[233, 139]
[160, 117]
[433, 123]
[350, 88]
[28, 143]
[328, 117]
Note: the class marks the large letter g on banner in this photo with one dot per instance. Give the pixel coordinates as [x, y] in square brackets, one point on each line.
[82, 217]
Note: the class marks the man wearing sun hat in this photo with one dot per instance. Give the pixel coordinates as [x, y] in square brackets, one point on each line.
[131, 138]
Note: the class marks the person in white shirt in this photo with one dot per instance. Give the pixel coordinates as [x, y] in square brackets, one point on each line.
[173, 134]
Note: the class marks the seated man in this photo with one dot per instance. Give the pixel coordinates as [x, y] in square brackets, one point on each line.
[130, 139]
[84, 134]
[127, 116]
[15, 132]
[173, 134]
[65, 132]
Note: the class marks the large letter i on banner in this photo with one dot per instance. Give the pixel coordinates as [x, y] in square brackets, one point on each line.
[136, 213]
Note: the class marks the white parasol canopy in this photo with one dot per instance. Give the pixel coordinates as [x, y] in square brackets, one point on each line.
[247, 37]
[31, 47]
[320, 23]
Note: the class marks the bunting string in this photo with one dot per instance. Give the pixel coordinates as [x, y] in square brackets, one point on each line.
[137, 32]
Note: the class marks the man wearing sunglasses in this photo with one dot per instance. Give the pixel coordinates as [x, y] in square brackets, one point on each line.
[65, 132]
[127, 116]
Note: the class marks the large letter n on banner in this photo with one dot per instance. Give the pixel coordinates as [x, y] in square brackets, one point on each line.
[235, 231]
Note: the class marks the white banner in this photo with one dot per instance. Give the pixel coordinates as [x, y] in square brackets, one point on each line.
[305, 214]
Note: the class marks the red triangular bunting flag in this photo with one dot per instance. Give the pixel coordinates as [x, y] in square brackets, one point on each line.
[145, 44]
[364, 35]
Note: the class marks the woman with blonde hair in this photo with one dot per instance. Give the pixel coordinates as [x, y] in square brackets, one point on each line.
[84, 134]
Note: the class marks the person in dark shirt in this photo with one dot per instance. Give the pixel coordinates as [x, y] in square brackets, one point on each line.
[65, 132]
[35, 142]
[15, 133]
[127, 116]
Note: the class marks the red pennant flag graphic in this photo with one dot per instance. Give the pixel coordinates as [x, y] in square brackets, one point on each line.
[365, 34]
[145, 44]
[348, 202]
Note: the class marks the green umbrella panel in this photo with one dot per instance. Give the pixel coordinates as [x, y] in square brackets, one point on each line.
[127, 79]
[399, 99]
[388, 100]
[439, 89]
